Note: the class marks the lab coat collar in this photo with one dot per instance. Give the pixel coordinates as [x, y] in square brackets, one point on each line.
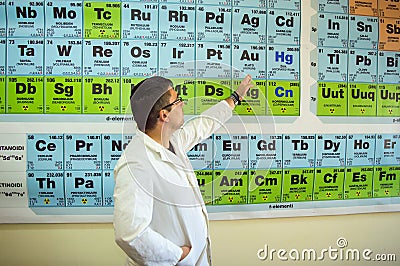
[164, 153]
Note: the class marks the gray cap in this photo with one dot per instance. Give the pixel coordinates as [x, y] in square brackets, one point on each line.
[144, 95]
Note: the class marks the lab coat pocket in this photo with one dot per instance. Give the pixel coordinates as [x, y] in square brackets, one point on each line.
[189, 260]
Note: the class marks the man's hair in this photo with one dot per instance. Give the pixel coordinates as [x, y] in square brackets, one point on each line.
[148, 97]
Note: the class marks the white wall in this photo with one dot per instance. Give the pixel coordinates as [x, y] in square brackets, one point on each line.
[235, 243]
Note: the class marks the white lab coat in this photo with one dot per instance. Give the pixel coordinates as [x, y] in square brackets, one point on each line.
[158, 206]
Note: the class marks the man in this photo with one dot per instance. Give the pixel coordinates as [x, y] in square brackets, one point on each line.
[159, 214]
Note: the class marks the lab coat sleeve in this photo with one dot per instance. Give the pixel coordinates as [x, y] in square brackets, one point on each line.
[201, 127]
[133, 207]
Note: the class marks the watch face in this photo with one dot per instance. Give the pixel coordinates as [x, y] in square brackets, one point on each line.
[235, 100]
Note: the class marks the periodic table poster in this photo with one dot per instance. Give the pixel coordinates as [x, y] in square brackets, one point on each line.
[319, 133]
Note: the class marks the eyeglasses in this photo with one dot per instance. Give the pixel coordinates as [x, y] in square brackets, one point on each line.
[178, 100]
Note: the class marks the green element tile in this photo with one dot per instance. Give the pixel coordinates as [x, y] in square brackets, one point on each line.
[127, 85]
[211, 91]
[205, 182]
[388, 100]
[328, 183]
[63, 95]
[358, 182]
[386, 181]
[298, 184]
[362, 99]
[2, 94]
[101, 95]
[255, 101]
[265, 186]
[25, 95]
[283, 98]
[332, 99]
[230, 187]
[102, 20]
[186, 89]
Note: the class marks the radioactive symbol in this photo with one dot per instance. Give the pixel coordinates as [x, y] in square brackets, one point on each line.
[264, 197]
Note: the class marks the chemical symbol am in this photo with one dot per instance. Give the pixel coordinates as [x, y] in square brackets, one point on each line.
[231, 182]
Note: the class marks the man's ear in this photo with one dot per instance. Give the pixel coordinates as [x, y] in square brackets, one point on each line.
[163, 116]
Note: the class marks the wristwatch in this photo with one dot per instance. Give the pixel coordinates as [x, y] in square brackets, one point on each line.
[235, 97]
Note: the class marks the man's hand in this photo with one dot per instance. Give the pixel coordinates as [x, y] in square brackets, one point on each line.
[185, 252]
[241, 90]
[244, 86]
